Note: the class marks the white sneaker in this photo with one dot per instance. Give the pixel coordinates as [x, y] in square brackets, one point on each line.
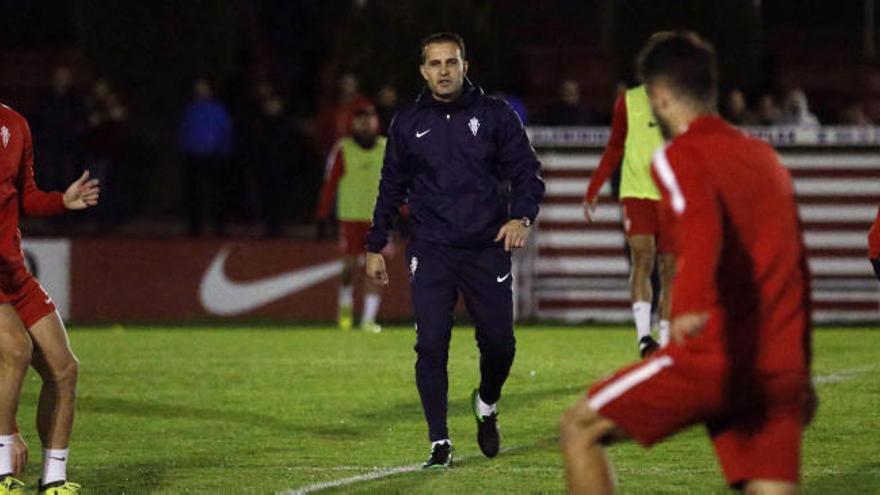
[371, 327]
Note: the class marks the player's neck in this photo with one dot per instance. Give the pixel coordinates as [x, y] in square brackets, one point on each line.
[687, 115]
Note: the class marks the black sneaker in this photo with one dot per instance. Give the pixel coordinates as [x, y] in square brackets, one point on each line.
[647, 346]
[441, 457]
[488, 437]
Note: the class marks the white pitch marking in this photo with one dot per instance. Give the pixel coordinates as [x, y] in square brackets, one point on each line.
[842, 375]
[837, 377]
[378, 474]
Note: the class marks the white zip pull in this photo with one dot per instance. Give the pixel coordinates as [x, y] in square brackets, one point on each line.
[447, 116]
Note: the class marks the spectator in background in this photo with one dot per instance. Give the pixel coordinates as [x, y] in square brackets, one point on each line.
[768, 111]
[205, 139]
[105, 143]
[61, 122]
[855, 115]
[277, 149]
[386, 106]
[568, 110]
[736, 110]
[796, 110]
[333, 120]
[519, 108]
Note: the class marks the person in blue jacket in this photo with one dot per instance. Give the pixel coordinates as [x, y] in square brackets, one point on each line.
[462, 163]
[205, 138]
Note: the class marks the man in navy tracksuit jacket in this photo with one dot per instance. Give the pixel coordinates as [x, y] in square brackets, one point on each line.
[463, 164]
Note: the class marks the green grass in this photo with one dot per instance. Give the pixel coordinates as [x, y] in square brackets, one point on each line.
[260, 410]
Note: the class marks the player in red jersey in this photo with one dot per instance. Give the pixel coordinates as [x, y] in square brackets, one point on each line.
[874, 245]
[739, 361]
[31, 332]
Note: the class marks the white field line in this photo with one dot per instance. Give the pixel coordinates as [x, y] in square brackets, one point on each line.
[842, 375]
[379, 473]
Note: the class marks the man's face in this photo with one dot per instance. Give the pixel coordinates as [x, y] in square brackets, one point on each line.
[570, 93]
[660, 98]
[202, 90]
[443, 70]
[365, 125]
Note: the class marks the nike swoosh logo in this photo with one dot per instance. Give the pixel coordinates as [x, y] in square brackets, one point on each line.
[224, 297]
[652, 124]
[502, 279]
[420, 134]
[62, 459]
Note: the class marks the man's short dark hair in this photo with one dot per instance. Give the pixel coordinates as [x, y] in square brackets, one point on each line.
[444, 37]
[685, 60]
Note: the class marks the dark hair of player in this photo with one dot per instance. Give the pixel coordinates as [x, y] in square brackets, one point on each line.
[444, 37]
[685, 61]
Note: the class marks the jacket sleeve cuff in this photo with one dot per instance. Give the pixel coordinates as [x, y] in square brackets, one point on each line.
[376, 242]
[519, 212]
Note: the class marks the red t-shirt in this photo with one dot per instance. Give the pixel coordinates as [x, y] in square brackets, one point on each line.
[18, 193]
[874, 238]
[333, 173]
[740, 254]
[613, 155]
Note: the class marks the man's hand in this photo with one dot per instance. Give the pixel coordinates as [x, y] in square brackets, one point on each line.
[82, 193]
[590, 209]
[376, 269]
[514, 234]
[19, 455]
[687, 325]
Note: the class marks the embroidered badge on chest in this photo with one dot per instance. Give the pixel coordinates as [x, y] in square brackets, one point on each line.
[4, 135]
[474, 125]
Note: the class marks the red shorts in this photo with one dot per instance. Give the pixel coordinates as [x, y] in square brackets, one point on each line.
[353, 237]
[29, 299]
[756, 428]
[643, 217]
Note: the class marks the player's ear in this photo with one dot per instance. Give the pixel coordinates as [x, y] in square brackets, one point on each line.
[464, 67]
[423, 72]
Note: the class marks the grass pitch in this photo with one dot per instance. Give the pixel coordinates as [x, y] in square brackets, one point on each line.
[266, 410]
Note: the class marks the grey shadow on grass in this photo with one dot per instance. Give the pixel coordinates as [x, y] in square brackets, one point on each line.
[245, 419]
[509, 402]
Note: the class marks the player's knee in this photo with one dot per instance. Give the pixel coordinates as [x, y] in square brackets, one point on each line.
[576, 427]
[17, 351]
[771, 488]
[643, 259]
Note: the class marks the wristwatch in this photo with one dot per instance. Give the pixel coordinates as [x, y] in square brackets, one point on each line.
[526, 221]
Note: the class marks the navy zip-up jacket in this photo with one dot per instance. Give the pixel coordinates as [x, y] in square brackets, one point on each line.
[464, 167]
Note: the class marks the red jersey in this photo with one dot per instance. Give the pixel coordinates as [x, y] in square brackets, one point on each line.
[18, 193]
[874, 239]
[739, 247]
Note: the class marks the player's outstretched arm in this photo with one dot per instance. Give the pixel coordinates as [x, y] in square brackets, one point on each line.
[82, 193]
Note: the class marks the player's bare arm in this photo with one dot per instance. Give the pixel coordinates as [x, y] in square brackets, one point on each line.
[376, 269]
[82, 193]
[514, 234]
